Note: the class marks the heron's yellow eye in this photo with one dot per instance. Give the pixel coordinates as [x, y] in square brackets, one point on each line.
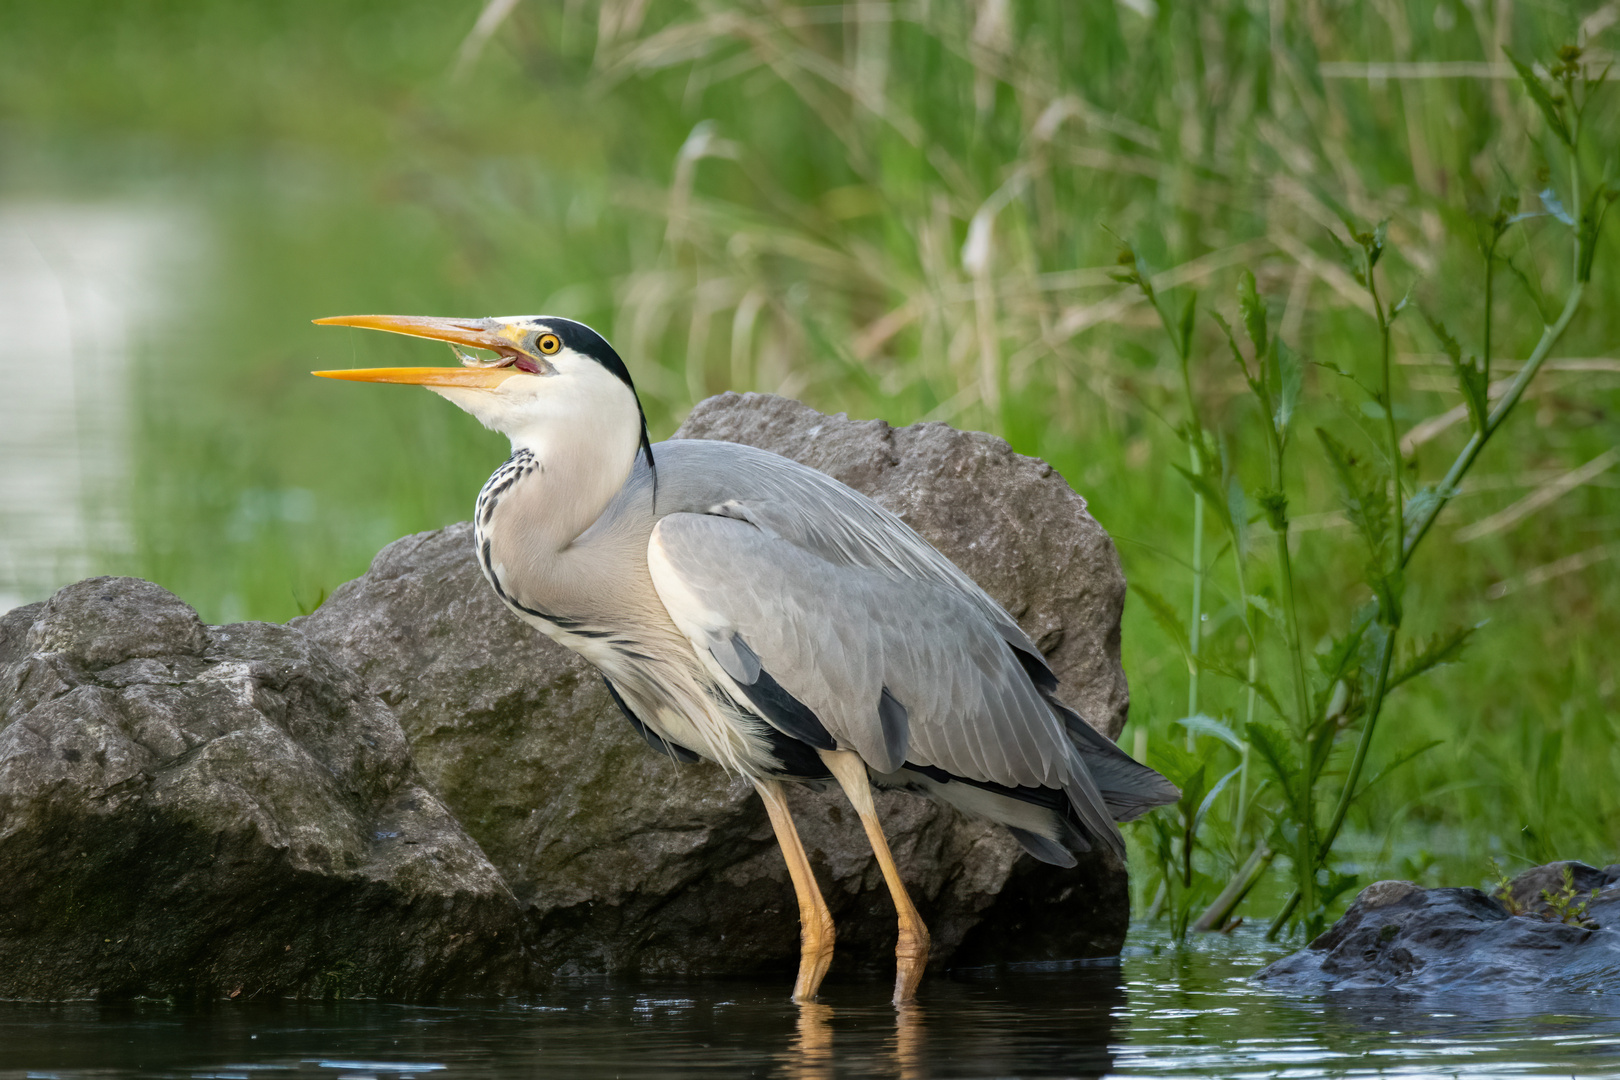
[549, 343]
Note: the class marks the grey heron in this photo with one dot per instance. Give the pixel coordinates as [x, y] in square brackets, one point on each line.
[750, 610]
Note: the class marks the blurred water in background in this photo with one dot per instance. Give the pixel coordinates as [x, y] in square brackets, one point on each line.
[78, 282]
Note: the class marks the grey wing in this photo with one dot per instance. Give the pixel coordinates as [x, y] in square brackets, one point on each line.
[785, 499]
[902, 669]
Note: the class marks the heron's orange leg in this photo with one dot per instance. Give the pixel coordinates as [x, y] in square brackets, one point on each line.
[911, 951]
[816, 932]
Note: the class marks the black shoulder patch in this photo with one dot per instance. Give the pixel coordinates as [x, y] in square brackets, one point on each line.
[799, 761]
[896, 726]
[787, 713]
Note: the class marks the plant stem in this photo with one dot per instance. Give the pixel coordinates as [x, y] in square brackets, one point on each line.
[1549, 338]
[1386, 395]
[1195, 456]
[1306, 844]
[1195, 625]
[1380, 688]
[1448, 487]
[1238, 554]
[1490, 294]
[1216, 915]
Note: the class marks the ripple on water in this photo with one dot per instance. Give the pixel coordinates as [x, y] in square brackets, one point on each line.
[1160, 1011]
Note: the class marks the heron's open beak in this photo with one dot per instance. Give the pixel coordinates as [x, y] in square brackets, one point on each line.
[477, 333]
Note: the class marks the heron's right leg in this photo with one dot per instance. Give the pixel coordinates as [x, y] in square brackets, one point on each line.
[815, 921]
[911, 948]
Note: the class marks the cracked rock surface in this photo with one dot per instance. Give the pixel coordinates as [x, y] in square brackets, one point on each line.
[220, 811]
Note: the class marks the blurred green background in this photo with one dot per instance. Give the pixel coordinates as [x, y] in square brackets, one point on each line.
[906, 210]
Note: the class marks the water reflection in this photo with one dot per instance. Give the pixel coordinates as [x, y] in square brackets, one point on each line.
[809, 1057]
[1163, 1011]
[76, 284]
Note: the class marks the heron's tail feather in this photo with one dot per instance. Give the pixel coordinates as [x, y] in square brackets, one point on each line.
[1129, 788]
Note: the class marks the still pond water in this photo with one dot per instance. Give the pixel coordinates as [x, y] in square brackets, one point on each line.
[1159, 1011]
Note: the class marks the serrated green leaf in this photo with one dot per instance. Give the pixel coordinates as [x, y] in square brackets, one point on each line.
[1264, 606]
[1471, 379]
[1400, 760]
[1343, 374]
[1237, 356]
[1532, 289]
[1240, 675]
[1448, 344]
[1253, 310]
[1350, 260]
[1165, 615]
[1202, 485]
[1271, 748]
[1538, 93]
[1365, 500]
[1432, 653]
[1208, 725]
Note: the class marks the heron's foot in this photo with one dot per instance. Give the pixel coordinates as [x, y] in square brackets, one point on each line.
[816, 936]
[910, 958]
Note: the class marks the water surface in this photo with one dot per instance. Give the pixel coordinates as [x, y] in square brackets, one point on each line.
[1159, 1011]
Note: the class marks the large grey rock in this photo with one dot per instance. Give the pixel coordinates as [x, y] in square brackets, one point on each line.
[626, 861]
[1398, 935]
[204, 811]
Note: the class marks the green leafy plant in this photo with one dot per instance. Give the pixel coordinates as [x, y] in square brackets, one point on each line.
[1315, 738]
[1565, 905]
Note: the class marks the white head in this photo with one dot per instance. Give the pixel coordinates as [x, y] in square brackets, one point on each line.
[556, 387]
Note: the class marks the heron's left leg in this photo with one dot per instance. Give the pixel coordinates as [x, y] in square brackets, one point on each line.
[911, 951]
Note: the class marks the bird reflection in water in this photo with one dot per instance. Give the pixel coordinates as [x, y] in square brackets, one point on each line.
[810, 1055]
[909, 1041]
[981, 1022]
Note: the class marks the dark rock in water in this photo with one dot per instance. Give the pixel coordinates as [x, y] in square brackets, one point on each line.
[220, 811]
[1398, 935]
[626, 861]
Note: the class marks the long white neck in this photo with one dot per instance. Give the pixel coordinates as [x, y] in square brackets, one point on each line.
[582, 427]
[580, 465]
